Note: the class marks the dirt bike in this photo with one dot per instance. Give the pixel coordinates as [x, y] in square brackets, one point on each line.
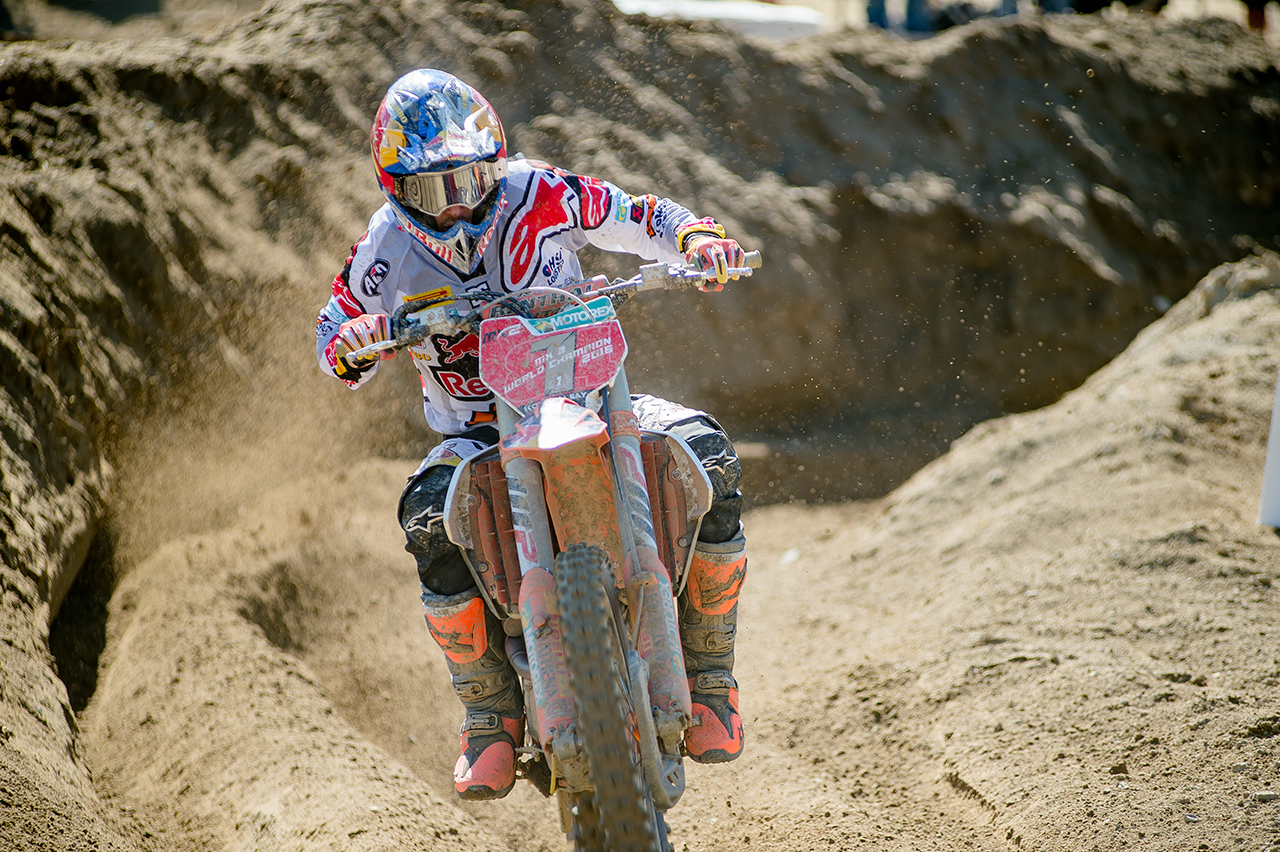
[579, 528]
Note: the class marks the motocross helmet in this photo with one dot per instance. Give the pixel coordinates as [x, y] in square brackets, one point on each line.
[437, 143]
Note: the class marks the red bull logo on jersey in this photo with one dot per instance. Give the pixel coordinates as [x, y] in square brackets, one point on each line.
[468, 346]
[457, 367]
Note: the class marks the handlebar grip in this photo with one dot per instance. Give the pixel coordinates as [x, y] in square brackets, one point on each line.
[753, 260]
[372, 352]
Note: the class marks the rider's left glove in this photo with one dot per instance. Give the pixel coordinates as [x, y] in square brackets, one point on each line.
[356, 334]
[707, 249]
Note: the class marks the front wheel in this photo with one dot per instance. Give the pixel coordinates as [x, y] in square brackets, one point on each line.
[623, 810]
[586, 834]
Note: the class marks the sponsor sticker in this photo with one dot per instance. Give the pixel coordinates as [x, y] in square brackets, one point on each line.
[661, 217]
[326, 327]
[371, 281]
[429, 296]
[650, 205]
[461, 386]
[552, 268]
[597, 310]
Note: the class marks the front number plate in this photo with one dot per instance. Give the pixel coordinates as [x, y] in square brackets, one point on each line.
[524, 366]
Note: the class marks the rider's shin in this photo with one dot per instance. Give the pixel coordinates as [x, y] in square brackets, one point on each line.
[708, 627]
[472, 640]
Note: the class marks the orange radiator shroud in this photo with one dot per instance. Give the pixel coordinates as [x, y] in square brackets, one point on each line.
[494, 544]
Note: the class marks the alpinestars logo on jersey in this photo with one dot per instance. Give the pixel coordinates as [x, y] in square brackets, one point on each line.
[597, 200]
[545, 212]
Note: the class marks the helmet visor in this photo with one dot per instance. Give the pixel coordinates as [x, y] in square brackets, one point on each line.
[434, 192]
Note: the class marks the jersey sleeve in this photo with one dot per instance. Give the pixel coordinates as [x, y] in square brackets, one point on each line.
[643, 225]
[348, 302]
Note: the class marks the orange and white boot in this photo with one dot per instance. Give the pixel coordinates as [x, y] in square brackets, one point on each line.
[472, 640]
[708, 627]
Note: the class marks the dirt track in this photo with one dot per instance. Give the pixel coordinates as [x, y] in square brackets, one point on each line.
[1059, 635]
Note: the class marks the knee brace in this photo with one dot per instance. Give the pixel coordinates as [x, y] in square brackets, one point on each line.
[441, 567]
[715, 451]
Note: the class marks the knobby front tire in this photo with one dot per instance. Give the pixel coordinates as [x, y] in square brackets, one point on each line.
[623, 811]
[587, 835]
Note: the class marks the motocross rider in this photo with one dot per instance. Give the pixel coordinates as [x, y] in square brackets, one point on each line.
[460, 216]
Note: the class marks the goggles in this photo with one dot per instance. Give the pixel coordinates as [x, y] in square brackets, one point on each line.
[434, 192]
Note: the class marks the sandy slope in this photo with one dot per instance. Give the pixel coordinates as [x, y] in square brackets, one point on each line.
[1061, 635]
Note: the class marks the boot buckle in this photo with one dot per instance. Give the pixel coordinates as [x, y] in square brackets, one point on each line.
[714, 683]
[481, 723]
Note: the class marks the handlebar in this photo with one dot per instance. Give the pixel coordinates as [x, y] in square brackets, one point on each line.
[441, 317]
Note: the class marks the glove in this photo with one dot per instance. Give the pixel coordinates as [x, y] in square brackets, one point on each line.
[356, 334]
[707, 249]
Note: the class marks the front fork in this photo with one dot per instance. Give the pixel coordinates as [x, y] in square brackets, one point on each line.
[655, 661]
[555, 714]
[655, 627]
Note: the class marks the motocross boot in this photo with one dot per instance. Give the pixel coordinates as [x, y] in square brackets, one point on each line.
[483, 679]
[708, 626]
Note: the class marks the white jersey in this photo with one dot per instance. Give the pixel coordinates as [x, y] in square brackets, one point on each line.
[548, 216]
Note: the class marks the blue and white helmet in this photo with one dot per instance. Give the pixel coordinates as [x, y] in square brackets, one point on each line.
[437, 143]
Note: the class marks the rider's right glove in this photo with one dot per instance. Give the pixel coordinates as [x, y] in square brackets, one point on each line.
[707, 249]
[356, 334]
